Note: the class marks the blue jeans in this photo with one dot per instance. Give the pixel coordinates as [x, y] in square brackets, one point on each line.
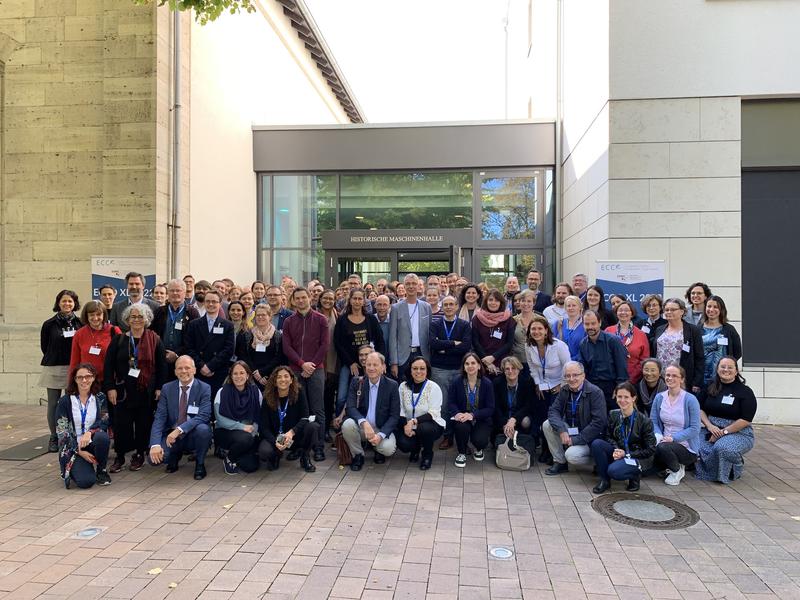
[344, 388]
[602, 452]
[198, 440]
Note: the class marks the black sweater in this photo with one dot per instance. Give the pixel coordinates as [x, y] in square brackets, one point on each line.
[56, 349]
[344, 343]
[693, 361]
[296, 414]
[527, 403]
[263, 362]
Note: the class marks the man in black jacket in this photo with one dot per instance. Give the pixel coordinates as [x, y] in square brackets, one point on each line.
[373, 411]
[576, 418]
[210, 342]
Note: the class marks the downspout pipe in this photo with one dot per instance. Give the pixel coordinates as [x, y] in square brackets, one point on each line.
[559, 175]
[176, 144]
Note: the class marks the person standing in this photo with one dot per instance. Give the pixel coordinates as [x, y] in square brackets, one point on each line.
[635, 341]
[210, 342]
[135, 283]
[493, 332]
[56, 343]
[603, 356]
[278, 311]
[570, 329]
[556, 311]
[91, 342]
[681, 343]
[170, 323]
[580, 285]
[540, 300]
[409, 328]
[305, 345]
[107, 293]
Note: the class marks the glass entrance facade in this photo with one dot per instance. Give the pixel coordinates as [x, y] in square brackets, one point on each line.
[508, 215]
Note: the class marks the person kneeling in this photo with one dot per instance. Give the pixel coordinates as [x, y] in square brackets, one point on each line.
[421, 420]
[373, 411]
[81, 430]
[182, 420]
[629, 442]
[284, 420]
[237, 408]
[576, 418]
[471, 399]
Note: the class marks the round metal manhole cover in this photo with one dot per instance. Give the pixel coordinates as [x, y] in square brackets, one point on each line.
[645, 511]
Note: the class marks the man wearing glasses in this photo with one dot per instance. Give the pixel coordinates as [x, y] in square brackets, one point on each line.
[210, 342]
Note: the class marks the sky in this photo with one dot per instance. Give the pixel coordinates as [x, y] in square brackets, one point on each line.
[434, 60]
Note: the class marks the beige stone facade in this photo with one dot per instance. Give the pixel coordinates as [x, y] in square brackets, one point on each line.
[85, 157]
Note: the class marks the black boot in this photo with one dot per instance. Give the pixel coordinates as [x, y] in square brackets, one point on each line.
[52, 444]
[633, 484]
[601, 487]
[306, 463]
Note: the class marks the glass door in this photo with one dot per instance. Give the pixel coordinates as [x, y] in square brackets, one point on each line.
[495, 267]
[370, 266]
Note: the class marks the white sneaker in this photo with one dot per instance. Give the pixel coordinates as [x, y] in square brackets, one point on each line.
[674, 477]
[461, 461]
[478, 455]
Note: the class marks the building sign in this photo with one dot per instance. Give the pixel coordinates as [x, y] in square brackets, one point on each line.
[396, 239]
[112, 270]
[631, 279]
[390, 239]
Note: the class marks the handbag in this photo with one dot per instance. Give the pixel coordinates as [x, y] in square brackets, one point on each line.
[512, 457]
[342, 450]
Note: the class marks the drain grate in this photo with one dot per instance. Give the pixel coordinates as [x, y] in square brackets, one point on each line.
[645, 511]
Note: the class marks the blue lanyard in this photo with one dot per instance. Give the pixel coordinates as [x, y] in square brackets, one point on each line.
[416, 308]
[472, 396]
[134, 352]
[174, 316]
[574, 406]
[512, 395]
[282, 414]
[449, 332]
[415, 402]
[84, 411]
[543, 359]
[630, 430]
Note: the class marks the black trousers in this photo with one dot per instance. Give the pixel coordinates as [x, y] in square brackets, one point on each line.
[477, 432]
[241, 447]
[608, 392]
[83, 473]
[671, 455]
[305, 437]
[427, 432]
[329, 397]
[132, 423]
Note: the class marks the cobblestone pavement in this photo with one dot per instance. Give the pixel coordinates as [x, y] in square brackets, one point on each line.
[389, 531]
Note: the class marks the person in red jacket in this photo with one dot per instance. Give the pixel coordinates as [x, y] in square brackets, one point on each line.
[305, 343]
[634, 339]
[91, 341]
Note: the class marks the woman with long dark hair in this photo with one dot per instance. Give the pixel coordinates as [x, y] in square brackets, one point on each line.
[237, 409]
[81, 426]
[493, 331]
[595, 300]
[720, 338]
[284, 420]
[326, 306]
[469, 300]
[471, 406]
[56, 344]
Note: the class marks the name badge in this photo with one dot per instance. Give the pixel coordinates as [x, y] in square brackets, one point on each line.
[722, 341]
[178, 325]
[497, 334]
[133, 372]
[630, 461]
[572, 431]
[94, 350]
[261, 347]
[686, 348]
[68, 333]
[728, 399]
[312, 418]
[645, 329]
[218, 329]
[192, 409]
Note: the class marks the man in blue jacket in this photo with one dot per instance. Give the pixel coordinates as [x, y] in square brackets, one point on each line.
[182, 420]
[604, 358]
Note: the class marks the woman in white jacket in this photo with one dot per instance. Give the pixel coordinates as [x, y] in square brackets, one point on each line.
[421, 421]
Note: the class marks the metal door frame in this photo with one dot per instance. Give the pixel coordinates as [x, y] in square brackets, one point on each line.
[332, 258]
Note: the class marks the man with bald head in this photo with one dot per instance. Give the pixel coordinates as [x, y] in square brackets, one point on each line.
[181, 424]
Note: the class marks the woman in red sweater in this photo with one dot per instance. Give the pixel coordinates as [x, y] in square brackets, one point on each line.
[634, 339]
[91, 341]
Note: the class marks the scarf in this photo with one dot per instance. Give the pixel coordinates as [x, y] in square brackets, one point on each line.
[66, 321]
[239, 406]
[490, 319]
[145, 359]
[262, 338]
[463, 313]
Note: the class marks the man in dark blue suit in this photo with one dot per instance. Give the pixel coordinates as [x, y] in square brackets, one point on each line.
[210, 341]
[541, 300]
[373, 411]
[182, 420]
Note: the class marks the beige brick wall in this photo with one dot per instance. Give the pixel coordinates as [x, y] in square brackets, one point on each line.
[85, 155]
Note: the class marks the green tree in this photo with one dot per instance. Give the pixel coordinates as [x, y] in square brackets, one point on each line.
[206, 10]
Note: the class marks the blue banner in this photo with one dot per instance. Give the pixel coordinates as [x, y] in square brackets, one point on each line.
[112, 270]
[633, 280]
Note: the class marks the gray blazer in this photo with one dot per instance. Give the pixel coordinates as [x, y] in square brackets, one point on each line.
[400, 331]
[115, 314]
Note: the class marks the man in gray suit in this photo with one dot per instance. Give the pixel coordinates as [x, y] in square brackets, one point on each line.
[135, 283]
[408, 328]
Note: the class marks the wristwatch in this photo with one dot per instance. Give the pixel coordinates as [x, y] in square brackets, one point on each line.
[724, 432]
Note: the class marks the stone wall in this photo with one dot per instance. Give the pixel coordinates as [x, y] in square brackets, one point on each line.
[85, 116]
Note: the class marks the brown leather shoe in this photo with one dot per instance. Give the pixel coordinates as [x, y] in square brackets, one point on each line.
[446, 444]
[137, 460]
[117, 465]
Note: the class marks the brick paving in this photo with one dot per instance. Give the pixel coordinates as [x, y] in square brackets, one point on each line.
[390, 531]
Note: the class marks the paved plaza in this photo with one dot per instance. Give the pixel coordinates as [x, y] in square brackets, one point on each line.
[389, 531]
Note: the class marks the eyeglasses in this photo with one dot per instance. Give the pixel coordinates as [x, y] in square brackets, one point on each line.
[671, 376]
[572, 375]
[136, 318]
[84, 377]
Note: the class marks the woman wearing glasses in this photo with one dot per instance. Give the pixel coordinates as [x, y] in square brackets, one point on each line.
[680, 342]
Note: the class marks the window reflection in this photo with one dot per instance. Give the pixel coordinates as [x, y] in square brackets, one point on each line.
[303, 207]
[508, 208]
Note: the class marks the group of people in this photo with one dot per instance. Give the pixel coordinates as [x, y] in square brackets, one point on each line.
[266, 372]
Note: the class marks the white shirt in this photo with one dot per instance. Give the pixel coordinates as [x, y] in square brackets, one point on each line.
[430, 402]
[556, 355]
[413, 315]
[91, 414]
[555, 313]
